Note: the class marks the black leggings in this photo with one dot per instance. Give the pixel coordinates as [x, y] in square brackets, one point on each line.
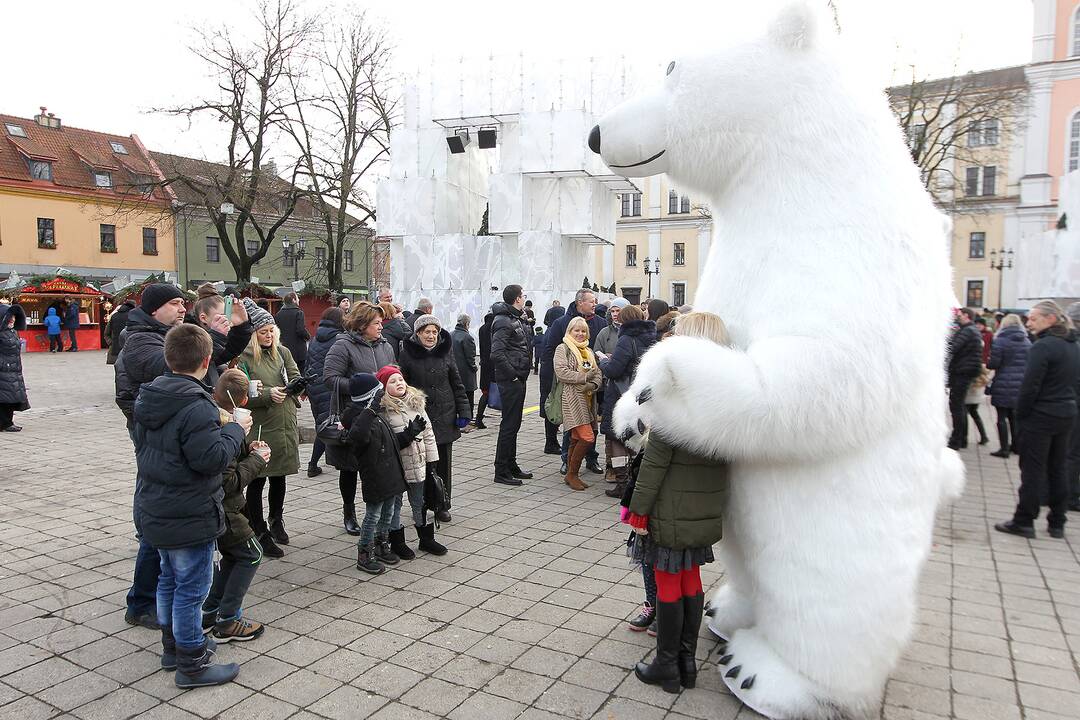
[973, 411]
[1006, 426]
[347, 485]
[254, 501]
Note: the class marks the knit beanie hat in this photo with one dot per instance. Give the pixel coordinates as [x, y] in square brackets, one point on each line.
[362, 387]
[619, 303]
[425, 320]
[259, 317]
[386, 372]
[157, 294]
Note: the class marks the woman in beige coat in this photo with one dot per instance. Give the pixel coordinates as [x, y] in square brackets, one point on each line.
[576, 369]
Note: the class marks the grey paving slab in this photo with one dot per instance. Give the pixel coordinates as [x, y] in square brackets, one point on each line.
[523, 618]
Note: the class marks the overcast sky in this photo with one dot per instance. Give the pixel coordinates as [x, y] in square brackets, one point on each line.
[105, 65]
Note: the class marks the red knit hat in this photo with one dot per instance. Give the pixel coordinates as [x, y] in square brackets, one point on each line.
[386, 372]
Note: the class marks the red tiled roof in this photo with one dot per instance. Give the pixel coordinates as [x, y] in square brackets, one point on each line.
[74, 154]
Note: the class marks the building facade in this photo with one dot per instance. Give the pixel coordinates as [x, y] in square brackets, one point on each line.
[82, 200]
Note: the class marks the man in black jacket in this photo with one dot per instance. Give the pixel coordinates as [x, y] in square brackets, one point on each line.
[294, 333]
[511, 358]
[1045, 412]
[465, 358]
[486, 371]
[965, 364]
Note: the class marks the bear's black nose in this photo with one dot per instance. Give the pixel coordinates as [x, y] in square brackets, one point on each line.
[594, 139]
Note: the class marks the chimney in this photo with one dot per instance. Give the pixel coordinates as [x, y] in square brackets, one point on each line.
[47, 119]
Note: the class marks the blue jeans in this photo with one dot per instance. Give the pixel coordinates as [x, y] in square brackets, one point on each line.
[591, 456]
[186, 574]
[416, 504]
[142, 597]
[377, 517]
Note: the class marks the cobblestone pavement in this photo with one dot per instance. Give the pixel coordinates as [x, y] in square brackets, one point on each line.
[523, 618]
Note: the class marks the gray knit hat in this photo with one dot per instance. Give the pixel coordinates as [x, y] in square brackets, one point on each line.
[425, 320]
[259, 317]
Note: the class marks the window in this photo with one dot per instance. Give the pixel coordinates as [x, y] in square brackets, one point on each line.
[989, 181]
[631, 204]
[680, 255]
[625, 198]
[637, 204]
[46, 233]
[983, 132]
[672, 202]
[102, 179]
[1076, 34]
[1074, 142]
[149, 241]
[678, 294]
[916, 137]
[40, 170]
[631, 256]
[15, 130]
[974, 293]
[348, 260]
[213, 250]
[977, 246]
[251, 247]
[684, 204]
[143, 184]
[108, 238]
[118, 147]
[320, 257]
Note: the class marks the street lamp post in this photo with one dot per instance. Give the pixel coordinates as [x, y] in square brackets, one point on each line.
[1001, 261]
[652, 267]
[298, 254]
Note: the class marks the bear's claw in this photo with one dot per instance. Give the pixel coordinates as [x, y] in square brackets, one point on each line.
[725, 660]
[709, 611]
[644, 396]
[640, 427]
[733, 673]
[748, 682]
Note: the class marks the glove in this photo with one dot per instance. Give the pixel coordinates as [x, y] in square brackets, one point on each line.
[375, 402]
[462, 422]
[416, 427]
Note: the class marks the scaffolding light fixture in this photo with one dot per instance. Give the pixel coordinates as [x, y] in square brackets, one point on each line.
[458, 141]
[486, 137]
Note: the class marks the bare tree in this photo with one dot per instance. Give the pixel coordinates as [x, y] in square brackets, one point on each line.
[341, 120]
[959, 121]
[252, 103]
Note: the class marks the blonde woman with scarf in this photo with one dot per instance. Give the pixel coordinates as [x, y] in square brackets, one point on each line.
[575, 367]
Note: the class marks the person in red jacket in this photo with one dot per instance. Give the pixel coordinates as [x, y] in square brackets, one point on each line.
[987, 338]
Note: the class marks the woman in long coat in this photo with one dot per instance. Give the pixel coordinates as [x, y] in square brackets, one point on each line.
[427, 364]
[273, 416]
[12, 387]
[576, 370]
[318, 391]
[1008, 357]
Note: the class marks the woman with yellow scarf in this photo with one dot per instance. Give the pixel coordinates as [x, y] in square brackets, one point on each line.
[576, 369]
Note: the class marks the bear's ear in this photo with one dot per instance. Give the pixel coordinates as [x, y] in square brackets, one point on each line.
[795, 27]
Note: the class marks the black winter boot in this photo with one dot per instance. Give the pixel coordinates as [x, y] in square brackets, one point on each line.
[168, 649]
[277, 531]
[367, 562]
[426, 533]
[269, 547]
[693, 607]
[382, 551]
[664, 669]
[1003, 443]
[551, 440]
[398, 546]
[351, 526]
[196, 668]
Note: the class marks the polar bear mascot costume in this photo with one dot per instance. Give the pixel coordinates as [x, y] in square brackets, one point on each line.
[830, 269]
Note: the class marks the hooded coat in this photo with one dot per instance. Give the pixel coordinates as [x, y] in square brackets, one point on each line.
[181, 450]
[277, 420]
[351, 354]
[52, 322]
[635, 338]
[115, 326]
[294, 332]
[394, 332]
[415, 456]
[234, 482]
[1008, 358]
[465, 357]
[12, 385]
[1051, 376]
[318, 391]
[435, 373]
[511, 346]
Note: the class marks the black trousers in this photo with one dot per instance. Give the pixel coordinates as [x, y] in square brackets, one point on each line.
[1074, 463]
[513, 404]
[1006, 427]
[254, 501]
[444, 467]
[1044, 452]
[347, 485]
[7, 416]
[74, 342]
[481, 407]
[958, 388]
[472, 402]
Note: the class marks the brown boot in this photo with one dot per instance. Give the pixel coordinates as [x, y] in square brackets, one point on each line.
[574, 458]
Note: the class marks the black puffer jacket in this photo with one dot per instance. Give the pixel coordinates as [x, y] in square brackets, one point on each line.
[487, 372]
[1008, 358]
[375, 454]
[435, 372]
[635, 338]
[115, 326]
[319, 392]
[965, 353]
[1052, 375]
[511, 351]
[141, 360]
[181, 451]
[12, 386]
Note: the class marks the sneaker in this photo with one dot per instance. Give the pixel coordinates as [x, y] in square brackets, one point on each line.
[1012, 528]
[240, 629]
[146, 619]
[644, 619]
[1056, 531]
[269, 547]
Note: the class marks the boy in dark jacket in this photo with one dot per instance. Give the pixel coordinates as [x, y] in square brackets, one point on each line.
[181, 450]
[240, 550]
[376, 449]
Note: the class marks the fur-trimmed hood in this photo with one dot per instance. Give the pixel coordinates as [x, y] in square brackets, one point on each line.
[413, 402]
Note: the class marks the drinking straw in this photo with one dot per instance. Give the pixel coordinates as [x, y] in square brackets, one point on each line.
[259, 438]
[231, 399]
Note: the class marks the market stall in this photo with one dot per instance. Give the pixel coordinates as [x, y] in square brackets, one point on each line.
[37, 297]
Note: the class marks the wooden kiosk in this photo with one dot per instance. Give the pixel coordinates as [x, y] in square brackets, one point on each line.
[36, 299]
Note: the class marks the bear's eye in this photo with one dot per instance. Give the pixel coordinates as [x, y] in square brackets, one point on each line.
[670, 67]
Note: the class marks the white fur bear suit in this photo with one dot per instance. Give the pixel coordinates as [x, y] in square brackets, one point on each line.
[830, 269]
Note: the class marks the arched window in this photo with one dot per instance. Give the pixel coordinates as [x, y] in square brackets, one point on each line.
[684, 205]
[1075, 32]
[672, 202]
[1074, 142]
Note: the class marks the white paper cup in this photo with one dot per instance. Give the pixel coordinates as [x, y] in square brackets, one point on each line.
[240, 413]
[253, 388]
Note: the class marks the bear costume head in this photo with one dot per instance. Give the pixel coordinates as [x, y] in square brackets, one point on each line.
[829, 266]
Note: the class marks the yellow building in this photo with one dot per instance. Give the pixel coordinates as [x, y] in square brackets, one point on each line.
[659, 223]
[82, 200]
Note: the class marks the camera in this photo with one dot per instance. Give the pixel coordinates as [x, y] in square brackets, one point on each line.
[298, 386]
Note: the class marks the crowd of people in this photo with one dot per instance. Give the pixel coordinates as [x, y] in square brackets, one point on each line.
[1031, 369]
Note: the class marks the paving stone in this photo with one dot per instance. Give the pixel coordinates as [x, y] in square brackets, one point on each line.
[436, 696]
[570, 700]
[347, 703]
[117, 705]
[482, 706]
[302, 687]
[77, 691]
[518, 685]
[388, 680]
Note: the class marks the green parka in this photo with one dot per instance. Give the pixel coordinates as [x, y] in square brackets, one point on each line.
[277, 420]
[235, 480]
[683, 495]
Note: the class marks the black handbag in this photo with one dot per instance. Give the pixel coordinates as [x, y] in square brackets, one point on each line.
[435, 494]
[329, 429]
